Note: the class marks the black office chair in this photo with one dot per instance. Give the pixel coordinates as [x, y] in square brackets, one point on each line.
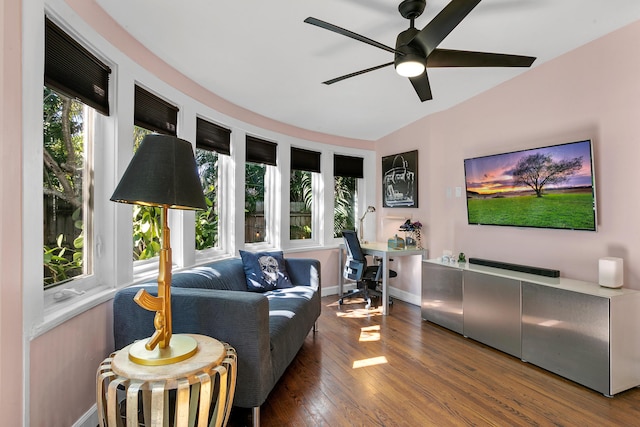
[366, 276]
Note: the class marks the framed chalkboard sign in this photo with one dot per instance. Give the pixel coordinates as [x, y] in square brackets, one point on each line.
[400, 180]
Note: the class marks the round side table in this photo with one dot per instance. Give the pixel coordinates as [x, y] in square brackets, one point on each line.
[199, 389]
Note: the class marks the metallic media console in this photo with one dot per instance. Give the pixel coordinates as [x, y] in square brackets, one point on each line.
[579, 330]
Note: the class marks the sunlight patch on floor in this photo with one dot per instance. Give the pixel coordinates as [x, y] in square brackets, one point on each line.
[363, 363]
[355, 309]
[360, 313]
[370, 333]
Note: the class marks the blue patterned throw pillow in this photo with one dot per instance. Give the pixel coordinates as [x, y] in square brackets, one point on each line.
[265, 271]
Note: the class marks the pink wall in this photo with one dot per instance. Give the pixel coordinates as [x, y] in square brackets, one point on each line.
[11, 342]
[592, 92]
[328, 263]
[63, 367]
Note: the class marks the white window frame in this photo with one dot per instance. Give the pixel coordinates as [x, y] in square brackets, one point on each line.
[271, 210]
[79, 285]
[224, 167]
[41, 311]
[366, 188]
[317, 203]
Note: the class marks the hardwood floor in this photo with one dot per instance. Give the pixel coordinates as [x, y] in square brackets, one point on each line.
[363, 369]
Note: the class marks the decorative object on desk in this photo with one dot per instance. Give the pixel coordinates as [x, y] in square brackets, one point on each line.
[610, 272]
[396, 242]
[400, 180]
[412, 233]
[163, 173]
[361, 225]
[462, 257]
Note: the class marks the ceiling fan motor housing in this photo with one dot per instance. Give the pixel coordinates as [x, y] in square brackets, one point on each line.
[406, 51]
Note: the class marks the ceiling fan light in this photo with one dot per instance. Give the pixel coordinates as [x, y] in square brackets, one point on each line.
[410, 68]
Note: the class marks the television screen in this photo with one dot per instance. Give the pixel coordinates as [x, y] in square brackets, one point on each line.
[548, 187]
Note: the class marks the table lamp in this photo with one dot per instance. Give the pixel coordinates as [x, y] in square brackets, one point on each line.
[163, 173]
[361, 228]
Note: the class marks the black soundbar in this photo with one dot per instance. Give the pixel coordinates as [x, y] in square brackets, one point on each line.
[547, 272]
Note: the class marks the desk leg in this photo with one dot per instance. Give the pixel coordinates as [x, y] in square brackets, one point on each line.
[385, 284]
[340, 270]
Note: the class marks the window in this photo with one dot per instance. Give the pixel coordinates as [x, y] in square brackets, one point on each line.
[67, 218]
[212, 141]
[76, 86]
[346, 171]
[304, 165]
[151, 114]
[260, 156]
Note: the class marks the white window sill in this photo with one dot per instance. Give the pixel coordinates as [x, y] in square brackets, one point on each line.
[59, 312]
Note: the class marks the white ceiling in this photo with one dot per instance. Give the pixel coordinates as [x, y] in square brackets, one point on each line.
[261, 56]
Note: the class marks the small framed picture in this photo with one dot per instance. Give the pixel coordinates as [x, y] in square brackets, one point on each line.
[400, 180]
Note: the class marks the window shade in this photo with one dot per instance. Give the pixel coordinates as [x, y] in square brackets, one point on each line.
[305, 160]
[72, 70]
[210, 136]
[348, 166]
[153, 113]
[261, 151]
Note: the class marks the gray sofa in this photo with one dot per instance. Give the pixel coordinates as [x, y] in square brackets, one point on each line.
[266, 329]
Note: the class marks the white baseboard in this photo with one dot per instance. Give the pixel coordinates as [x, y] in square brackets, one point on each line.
[89, 418]
[333, 290]
[405, 296]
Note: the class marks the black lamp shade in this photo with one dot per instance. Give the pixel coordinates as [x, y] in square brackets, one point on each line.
[163, 172]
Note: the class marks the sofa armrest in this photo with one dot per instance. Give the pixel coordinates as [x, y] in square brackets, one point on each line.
[304, 272]
[239, 318]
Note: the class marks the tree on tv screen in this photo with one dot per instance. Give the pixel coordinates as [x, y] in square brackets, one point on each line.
[538, 170]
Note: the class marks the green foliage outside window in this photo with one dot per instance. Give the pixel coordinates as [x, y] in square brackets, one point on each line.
[345, 201]
[300, 205]
[301, 190]
[62, 261]
[254, 188]
[147, 230]
[207, 220]
[63, 167]
[254, 218]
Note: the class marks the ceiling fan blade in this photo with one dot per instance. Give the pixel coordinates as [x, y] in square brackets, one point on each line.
[421, 85]
[355, 36]
[357, 73]
[465, 58]
[435, 31]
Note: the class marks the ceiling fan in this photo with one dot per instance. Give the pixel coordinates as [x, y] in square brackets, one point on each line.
[417, 50]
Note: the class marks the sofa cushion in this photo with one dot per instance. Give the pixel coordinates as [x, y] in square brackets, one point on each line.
[265, 271]
[225, 275]
[292, 313]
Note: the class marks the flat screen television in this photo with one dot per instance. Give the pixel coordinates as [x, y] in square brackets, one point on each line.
[547, 187]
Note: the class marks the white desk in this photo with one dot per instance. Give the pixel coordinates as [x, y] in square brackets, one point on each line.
[383, 251]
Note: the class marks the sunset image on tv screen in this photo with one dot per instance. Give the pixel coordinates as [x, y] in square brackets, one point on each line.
[548, 187]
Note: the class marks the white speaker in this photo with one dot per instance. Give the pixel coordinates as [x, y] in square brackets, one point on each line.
[610, 272]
